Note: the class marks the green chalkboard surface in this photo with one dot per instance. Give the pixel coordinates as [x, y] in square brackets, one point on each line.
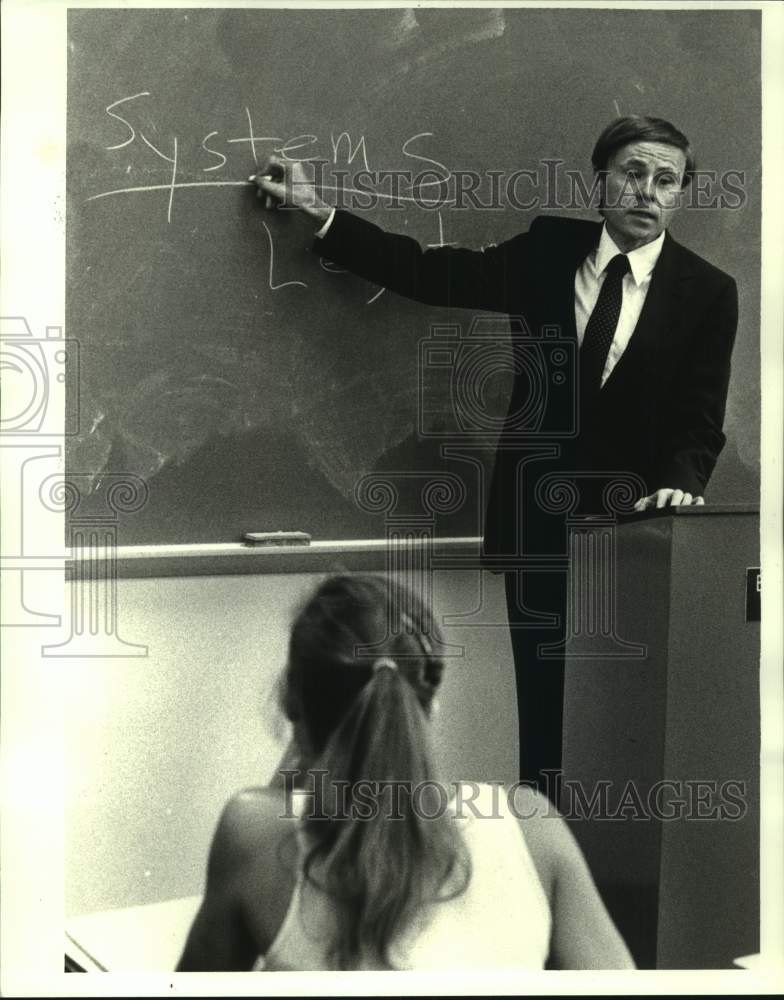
[253, 386]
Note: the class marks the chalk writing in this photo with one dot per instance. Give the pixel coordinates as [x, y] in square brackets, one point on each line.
[345, 149]
[441, 242]
[113, 114]
[214, 152]
[352, 151]
[280, 284]
[447, 173]
[169, 159]
[253, 139]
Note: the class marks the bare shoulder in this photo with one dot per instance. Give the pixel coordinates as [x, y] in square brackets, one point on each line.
[546, 834]
[250, 820]
[254, 854]
[247, 889]
[248, 833]
[258, 803]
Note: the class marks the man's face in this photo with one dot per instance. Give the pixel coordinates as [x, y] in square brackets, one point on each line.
[642, 191]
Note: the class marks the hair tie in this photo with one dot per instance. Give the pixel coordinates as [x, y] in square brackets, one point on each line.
[383, 663]
[423, 640]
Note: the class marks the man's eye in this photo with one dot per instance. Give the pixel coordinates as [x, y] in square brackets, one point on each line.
[667, 179]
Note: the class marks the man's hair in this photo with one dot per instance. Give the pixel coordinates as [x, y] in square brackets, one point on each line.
[640, 128]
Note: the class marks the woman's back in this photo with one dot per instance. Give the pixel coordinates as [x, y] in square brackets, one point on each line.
[350, 884]
[500, 919]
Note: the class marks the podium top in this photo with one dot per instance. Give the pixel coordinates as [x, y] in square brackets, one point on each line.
[703, 510]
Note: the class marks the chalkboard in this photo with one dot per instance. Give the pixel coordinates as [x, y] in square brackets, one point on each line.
[252, 386]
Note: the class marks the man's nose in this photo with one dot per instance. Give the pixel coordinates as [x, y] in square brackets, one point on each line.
[646, 188]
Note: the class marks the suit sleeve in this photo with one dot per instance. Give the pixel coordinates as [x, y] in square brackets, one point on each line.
[443, 276]
[697, 438]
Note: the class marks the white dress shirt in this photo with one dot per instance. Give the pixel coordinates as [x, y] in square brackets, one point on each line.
[327, 223]
[588, 281]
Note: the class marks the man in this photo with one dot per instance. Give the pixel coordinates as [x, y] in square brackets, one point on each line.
[654, 325]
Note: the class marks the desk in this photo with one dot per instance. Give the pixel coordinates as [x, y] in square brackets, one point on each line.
[146, 938]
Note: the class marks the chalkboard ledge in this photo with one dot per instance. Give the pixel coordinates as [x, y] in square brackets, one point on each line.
[318, 557]
[369, 554]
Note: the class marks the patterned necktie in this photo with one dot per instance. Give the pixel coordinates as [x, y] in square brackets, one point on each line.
[600, 330]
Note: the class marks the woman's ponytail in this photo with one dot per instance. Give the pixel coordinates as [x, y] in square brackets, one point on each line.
[381, 841]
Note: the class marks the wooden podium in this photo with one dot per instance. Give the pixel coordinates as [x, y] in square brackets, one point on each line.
[661, 729]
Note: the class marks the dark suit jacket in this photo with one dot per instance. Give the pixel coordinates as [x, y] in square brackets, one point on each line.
[659, 414]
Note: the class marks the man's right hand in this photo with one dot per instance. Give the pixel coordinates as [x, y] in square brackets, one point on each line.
[287, 182]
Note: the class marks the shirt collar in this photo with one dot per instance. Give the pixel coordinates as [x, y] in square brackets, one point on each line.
[641, 261]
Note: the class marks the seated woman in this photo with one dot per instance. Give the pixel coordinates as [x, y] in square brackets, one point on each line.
[370, 864]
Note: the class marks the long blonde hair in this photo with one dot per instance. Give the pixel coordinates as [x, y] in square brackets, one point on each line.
[365, 715]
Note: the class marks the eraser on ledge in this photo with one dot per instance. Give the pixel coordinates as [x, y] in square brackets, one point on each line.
[276, 537]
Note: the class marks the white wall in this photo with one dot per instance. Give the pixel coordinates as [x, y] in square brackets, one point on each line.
[155, 745]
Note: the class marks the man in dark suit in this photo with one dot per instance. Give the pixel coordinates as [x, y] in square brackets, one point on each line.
[654, 326]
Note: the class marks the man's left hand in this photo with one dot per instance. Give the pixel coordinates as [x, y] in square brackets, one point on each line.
[668, 498]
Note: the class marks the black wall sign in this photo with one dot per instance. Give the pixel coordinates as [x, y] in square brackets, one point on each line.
[753, 594]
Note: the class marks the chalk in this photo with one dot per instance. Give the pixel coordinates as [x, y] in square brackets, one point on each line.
[268, 201]
[277, 537]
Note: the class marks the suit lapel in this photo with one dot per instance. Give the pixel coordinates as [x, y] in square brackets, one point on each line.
[557, 307]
